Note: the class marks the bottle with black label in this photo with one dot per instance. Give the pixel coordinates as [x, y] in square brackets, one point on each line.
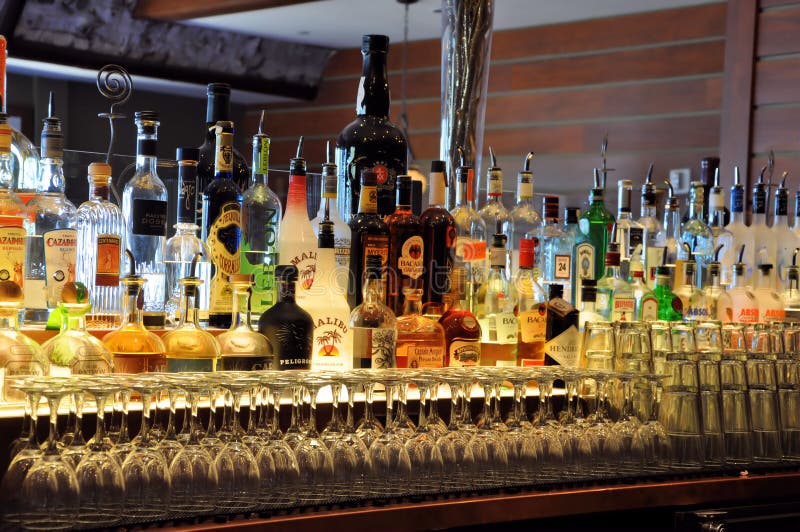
[371, 141]
[562, 338]
[289, 329]
[222, 228]
[406, 248]
[370, 236]
[144, 205]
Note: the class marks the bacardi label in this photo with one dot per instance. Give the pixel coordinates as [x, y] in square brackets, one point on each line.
[533, 324]
[60, 253]
[12, 254]
[410, 261]
[500, 328]
[223, 243]
[564, 347]
[107, 260]
[465, 353]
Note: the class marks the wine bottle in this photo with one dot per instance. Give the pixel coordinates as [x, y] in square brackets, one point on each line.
[439, 236]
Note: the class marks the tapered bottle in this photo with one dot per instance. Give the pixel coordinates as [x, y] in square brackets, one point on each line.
[582, 257]
[561, 348]
[373, 323]
[763, 237]
[420, 340]
[240, 347]
[406, 264]
[630, 234]
[261, 222]
[770, 304]
[653, 253]
[438, 236]
[695, 305]
[12, 214]
[696, 233]
[615, 298]
[742, 236]
[725, 253]
[470, 234]
[744, 307]
[531, 309]
[596, 223]
[588, 309]
[461, 329]
[370, 236]
[718, 300]
[494, 210]
[646, 308]
[669, 236]
[289, 329]
[524, 218]
[556, 246]
[329, 210]
[785, 241]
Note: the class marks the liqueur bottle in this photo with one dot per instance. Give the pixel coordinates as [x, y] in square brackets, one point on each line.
[470, 235]
[785, 241]
[327, 304]
[406, 264]
[723, 239]
[240, 347]
[670, 307]
[373, 323]
[420, 341]
[695, 306]
[630, 234]
[461, 329]
[101, 230]
[289, 329]
[791, 291]
[370, 236]
[494, 211]
[718, 300]
[770, 304]
[596, 223]
[11, 338]
[24, 156]
[646, 303]
[557, 247]
[222, 228]
[298, 246]
[524, 218]
[744, 307]
[51, 250]
[670, 234]
[561, 347]
[742, 236]
[531, 309]
[615, 298]
[763, 237]
[188, 347]
[144, 205]
[134, 348]
[261, 220]
[438, 237]
[696, 233]
[709, 169]
[588, 312]
[582, 255]
[12, 214]
[184, 245]
[371, 141]
[653, 253]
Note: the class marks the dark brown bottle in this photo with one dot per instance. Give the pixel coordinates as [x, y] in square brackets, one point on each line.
[371, 141]
[289, 329]
[439, 234]
[406, 248]
[369, 236]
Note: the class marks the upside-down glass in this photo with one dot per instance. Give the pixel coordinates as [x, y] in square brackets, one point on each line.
[314, 460]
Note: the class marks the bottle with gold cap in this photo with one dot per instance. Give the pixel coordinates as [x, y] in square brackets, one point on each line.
[101, 233]
[242, 348]
[12, 215]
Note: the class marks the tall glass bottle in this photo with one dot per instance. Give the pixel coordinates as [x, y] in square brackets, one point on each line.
[101, 233]
[696, 233]
[695, 305]
[726, 254]
[763, 238]
[373, 323]
[791, 291]
[588, 309]
[646, 308]
[770, 304]
[615, 298]
[371, 141]
[718, 300]
[184, 245]
[497, 300]
[670, 307]
[370, 236]
[742, 236]
[51, 251]
[596, 223]
[12, 215]
[531, 309]
[289, 329]
[261, 220]
[580, 264]
[744, 303]
[494, 210]
[134, 348]
[240, 347]
[630, 233]
[470, 235]
[556, 249]
[669, 235]
[24, 156]
[438, 237]
[420, 340]
[144, 205]
[561, 348]
[653, 253]
[461, 329]
[785, 241]
[524, 218]
[406, 263]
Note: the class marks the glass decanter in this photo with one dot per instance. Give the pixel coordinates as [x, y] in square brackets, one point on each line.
[420, 341]
[10, 335]
[241, 348]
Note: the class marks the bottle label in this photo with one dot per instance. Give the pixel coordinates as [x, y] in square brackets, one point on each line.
[470, 250]
[737, 200]
[497, 256]
[12, 254]
[368, 202]
[562, 266]
[375, 345]
[107, 260]
[649, 309]
[223, 243]
[5, 137]
[333, 342]
[500, 328]
[410, 261]
[533, 324]
[525, 187]
[418, 356]
[495, 188]
[262, 159]
[342, 253]
[774, 314]
[149, 217]
[781, 204]
[623, 309]
[465, 353]
[306, 263]
[635, 238]
[747, 315]
[759, 203]
[60, 253]
[654, 256]
[584, 254]
[375, 245]
[223, 163]
[187, 200]
[564, 347]
[697, 312]
[262, 268]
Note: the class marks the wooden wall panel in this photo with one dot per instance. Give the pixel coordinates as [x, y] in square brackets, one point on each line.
[777, 31]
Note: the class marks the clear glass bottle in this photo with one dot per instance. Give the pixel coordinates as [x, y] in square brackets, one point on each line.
[615, 298]
[719, 301]
[370, 236]
[531, 309]
[725, 253]
[653, 253]
[461, 329]
[582, 254]
[588, 309]
[470, 235]
[763, 237]
[373, 323]
[785, 240]
[52, 243]
[420, 341]
[496, 302]
[438, 236]
[289, 329]
[670, 306]
[630, 234]
[646, 308]
[596, 223]
[406, 263]
[555, 258]
[144, 205]
[742, 236]
[669, 235]
[796, 223]
[184, 245]
[770, 304]
[791, 291]
[494, 211]
[12, 215]
[524, 218]
[695, 305]
[10, 335]
[696, 233]
[101, 234]
[240, 347]
[744, 307]
[188, 347]
[134, 348]
[261, 221]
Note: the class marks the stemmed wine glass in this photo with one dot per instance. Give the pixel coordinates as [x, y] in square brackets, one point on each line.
[546, 428]
[391, 465]
[455, 445]
[524, 449]
[169, 444]
[369, 428]
[211, 440]
[313, 457]
[422, 448]
[123, 444]
[351, 464]
[495, 459]
[597, 450]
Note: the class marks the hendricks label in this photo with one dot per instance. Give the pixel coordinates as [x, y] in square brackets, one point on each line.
[223, 243]
[564, 347]
[465, 353]
[149, 217]
[306, 263]
[12, 254]
[410, 260]
[60, 250]
[533, 324]
[107, 260]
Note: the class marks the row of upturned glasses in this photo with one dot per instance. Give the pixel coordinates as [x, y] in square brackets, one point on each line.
[601, 425]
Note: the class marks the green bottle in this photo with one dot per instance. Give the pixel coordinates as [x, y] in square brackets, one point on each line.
[596, 224]
[670, 307]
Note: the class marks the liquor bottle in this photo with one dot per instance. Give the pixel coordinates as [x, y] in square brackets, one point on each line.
[646, 303]
[723, 239]
[373, 323]
[562, 334]
[327, 304]
[470, 235]
[742, 236]
[420, 341]
[697, 234]
[770, 304]
[188, 347]
[261, 221]
[184, 245]
[653, 253]
[494, 210]
[744, 303]
[615, 299]
[370, 236]
[791, 291]
[371, 141]
[73, 349]
[695, 306]
[222, 228]
[329, 210]
[289, 329]
[240, 347]
[298, 247]
[764, 239]
[588, 311]
[582, 256]
[134, 348]
[461, 329]
[12, 215]
[218, 109]
[406, 264]
[718, 300]
[438, 237]
[531, 309]
[524, 218]
[709, 169]
[556, 249]
[784, 239]
[630, 233]
[51, 250]
[144, 205]
[670, 234]
[11, 339]
[101, 229]
[596, 223]
[496, 302]
[796, 224]
[670, 307]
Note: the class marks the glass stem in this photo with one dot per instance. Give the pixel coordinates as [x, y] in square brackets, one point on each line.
[236, 427]
[33, 399]
[518, 387]
[124, 398]
[455, 413]
[276, 414]
[369, 415]
[194, 422]
[487, 406]
[100, 427]
[351, 403]
[422, 426]
[172, 394]
[52, 437]
[147, 398]
[389, 408]
[255, 398]
[312, 413]
[213, 395]
[336, 418]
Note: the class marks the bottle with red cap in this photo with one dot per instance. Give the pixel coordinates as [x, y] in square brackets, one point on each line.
[531, 310]
[615, 298]
[556, 259]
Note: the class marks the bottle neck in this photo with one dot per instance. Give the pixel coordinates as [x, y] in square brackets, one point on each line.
[648, 211]
[461, 193]
[672, 221]
[76, 320]
[286, 291]
[146, 155]
[588, 306]
[51, 175]
[296, 198]
[99, 189]
[132, 316]
[436, 195]
[373, 88]
[187, 192]
[9, 319]
[662, 283]
[613, 271]
[223, 161]
[6, 176]
[737, 279]
[412, 306]
[240, 310]
[764, 280]
[689, 277]
[368, 200]
[373, 290]
[189, 316]
[696, 210]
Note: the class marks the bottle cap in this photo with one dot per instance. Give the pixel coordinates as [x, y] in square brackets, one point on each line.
[624, 188]
[187, 154]
[99, 169]
[146, 115]
[368, 178]
[589, 290]
[527, 247]
[612, 254]
[286, 272]
[765, 268]
[297, 164]
[375, 43]
[240, 278]
[572, 214]
[714, 268]
[550, 207]
[216, 89]
[437, 167]
[662, 269]
[649, 189]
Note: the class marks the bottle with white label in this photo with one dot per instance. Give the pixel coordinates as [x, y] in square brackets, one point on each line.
[697, 234]
[12, 215]
[670, 233]
[615, 298]
[770, 304]
[461, 329]
[144, 205]
[495, 310]
[582, 255]
[653, 253]
[630, 234]
[524, 218]
[646, 301]
[742, 236]
[555, 259]
[783, 236]
[588, 311]
[420, 341]
[719, 301]
[531, 310]
[494, 209]
[744, 305]
[329, 210]
[695, 305]
[725, 253]
[51, 228]
[470, 235]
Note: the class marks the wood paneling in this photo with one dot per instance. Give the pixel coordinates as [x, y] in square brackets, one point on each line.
[188, 9]
[779, 31]
[776, 128]
[777, 81]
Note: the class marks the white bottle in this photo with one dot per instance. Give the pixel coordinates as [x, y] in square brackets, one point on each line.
[653, 253]
[719, 301]
[695, 304]
[785, 240]
[630, 234]
[744, 305]
[738, 228]
[763, 238]
[770, 304]
[724, 251]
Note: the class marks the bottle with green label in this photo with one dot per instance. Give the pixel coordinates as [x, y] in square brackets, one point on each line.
[596, 224]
